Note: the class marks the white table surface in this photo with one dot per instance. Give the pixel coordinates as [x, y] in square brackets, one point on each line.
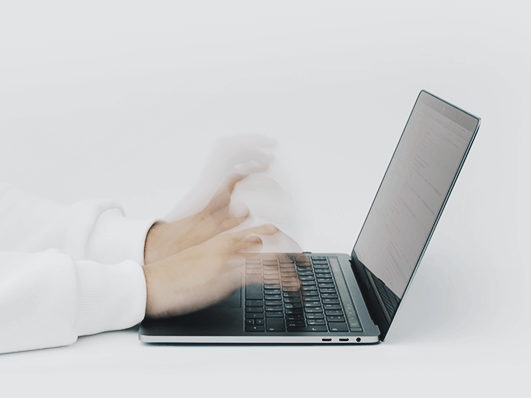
[121, 102]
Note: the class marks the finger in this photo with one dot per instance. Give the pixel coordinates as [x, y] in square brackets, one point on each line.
[232, 222]
[266, 229]
[232, 180]
[249, 244]
[221, 199]
[228, 186]
[251, 167]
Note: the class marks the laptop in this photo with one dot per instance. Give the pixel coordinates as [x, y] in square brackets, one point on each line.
[345, 298]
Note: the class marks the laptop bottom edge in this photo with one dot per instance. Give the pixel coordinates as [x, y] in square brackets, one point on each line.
[347, 339]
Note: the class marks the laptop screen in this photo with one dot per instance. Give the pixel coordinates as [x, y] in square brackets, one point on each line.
[414, 191]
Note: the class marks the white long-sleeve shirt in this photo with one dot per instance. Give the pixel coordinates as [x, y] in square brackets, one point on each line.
[67, 271]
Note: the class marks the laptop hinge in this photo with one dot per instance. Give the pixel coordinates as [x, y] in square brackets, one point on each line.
[371, 297]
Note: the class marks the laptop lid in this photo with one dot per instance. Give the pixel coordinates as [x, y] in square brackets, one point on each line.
[409, 203]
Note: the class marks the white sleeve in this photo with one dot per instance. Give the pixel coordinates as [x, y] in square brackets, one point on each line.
[47, 299]
[89, 230]
[67, 271]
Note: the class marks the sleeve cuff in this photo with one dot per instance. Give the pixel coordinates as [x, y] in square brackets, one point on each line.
[116, 238]
[110, 297]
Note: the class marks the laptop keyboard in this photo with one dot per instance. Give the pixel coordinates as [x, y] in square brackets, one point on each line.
[292, 293]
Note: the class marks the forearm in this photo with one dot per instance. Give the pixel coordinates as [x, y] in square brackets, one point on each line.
[48, 299]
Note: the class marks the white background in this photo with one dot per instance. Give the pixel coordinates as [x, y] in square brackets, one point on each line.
[123, 100]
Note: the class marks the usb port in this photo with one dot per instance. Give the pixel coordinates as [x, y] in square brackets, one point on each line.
[327, 339]
[343, 339]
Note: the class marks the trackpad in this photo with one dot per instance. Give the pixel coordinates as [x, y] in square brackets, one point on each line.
[234, 301]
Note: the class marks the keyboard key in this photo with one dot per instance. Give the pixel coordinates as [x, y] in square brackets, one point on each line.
[291, 288]
[272, 292]
[270, 297]
[306, 273]
[288, 272]
[293, 305]
[249, 321]
[338, 327]
[335, 318]
[327, 290]
[253, 272]
[291, 294]
[334, 312]
[290, 284]
[270, 271]
[259, 322]
[293, 310]
[292, 299]
[270, 303]
[295, 317]
[275, 325]
[254, 315]
[321, 284]
[329, 301]
[254, 328]
[254, 303]
[313, 322]
[296, 324]
[312, 310]
[253, 292]
[314, 316]
[312, 304]
[275, 314]
[273, 308]
[332, 307]
[329, 296]
[320, 271]
[254, 309]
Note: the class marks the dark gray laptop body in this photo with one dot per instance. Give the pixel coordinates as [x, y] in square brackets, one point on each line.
[369, 283]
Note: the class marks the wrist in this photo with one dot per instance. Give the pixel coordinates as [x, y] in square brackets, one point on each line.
[153, 244]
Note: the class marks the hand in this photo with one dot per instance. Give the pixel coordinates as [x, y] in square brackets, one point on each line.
[167, 239]
[238, 154]
[200, 276]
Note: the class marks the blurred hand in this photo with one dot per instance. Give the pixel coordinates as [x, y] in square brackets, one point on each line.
[200, 276]
[167, 239]
[237, 154]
